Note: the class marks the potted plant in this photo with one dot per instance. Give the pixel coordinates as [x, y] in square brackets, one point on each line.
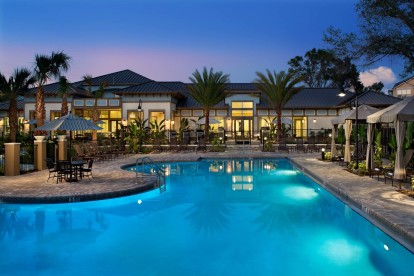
[39, 135]
[61, 134]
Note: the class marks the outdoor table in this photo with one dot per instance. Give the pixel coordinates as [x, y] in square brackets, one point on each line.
[71, 169]
[77, 165]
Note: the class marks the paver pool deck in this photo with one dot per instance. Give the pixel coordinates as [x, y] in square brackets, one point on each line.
[390, 210]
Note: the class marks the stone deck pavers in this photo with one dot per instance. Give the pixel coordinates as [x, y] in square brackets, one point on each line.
[390, 210]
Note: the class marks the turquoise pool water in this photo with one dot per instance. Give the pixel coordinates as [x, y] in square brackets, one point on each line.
[217, 217]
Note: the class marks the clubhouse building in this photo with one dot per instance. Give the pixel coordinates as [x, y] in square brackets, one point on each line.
[241, 115]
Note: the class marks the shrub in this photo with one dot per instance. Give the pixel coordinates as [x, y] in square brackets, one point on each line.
[216, 146]
[362, 168]
[268, 146]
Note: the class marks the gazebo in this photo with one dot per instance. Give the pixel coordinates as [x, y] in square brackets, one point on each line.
[346, 119]
[398, 114]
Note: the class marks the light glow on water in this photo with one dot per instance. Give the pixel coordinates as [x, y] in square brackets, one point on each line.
[300, 193]
[341, 251]
[286, 172]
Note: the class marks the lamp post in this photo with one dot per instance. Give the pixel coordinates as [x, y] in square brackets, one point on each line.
[264, 142]
[141, 134]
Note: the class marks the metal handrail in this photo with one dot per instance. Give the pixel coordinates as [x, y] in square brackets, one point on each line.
[155, 171]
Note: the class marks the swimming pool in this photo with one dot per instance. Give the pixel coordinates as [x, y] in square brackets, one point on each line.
[216, 217]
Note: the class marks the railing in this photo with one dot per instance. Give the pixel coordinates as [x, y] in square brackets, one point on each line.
[27, 157]
[148, 169]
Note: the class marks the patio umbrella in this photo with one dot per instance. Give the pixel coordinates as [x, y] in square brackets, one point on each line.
[69, 122]
[398, 113]
[202, 121]
[34, 122]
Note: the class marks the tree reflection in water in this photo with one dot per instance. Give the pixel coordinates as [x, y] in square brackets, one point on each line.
[274, 218]
[209, 216]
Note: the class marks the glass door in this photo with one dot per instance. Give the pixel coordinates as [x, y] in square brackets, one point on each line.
[242, 130]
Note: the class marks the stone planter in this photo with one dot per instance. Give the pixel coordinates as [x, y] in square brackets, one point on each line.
[40, 137]
[61, 137]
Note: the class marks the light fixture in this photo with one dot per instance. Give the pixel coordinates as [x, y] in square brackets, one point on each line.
[314, 120]
[139, 105]
[341, 94]
[323, 153]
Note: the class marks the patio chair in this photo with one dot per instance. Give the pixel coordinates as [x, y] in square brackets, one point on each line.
[51, 166]
[375, 172]
[93, 151]
[388, 175]
[64, 171]
[87, 172]
[300, 146]
[201, 145]
[156, 145]
[173, 144]
[283, 146]
[184, 144]
[312, 145]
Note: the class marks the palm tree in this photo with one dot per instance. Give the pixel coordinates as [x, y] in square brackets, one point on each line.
[46, 68]
[278, 89]
[63, 92]
[10, 90]
[208, 89]
[95, 114]
[96, 94]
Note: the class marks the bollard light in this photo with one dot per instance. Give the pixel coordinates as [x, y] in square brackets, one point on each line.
[323, 153]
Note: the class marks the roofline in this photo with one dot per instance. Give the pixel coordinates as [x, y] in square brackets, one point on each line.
[402, 82]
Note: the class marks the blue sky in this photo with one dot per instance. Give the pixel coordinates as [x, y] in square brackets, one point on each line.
[167, 40]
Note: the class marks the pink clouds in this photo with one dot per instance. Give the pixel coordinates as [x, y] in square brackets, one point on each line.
[382, 73]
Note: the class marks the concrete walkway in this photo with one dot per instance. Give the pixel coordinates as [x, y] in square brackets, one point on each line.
[390, 210]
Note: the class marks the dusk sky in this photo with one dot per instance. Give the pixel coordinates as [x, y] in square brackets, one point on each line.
[166, 40]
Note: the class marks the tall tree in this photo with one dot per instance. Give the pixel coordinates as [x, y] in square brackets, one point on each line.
[11, 89]
[386, 29]
[315, 67]
[95, 114]
[278, 89]
[322, 68]
[64, 90]
[375, 87]
[345, 75]
[46, 68]
[87, 79]
[208, 89]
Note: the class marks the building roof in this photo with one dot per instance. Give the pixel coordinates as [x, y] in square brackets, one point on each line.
[121, 78]
[310, 98]
[129, 82]
[53, 89]
[376, 99]
[4, 106]
[248, 86]
[403, 81]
